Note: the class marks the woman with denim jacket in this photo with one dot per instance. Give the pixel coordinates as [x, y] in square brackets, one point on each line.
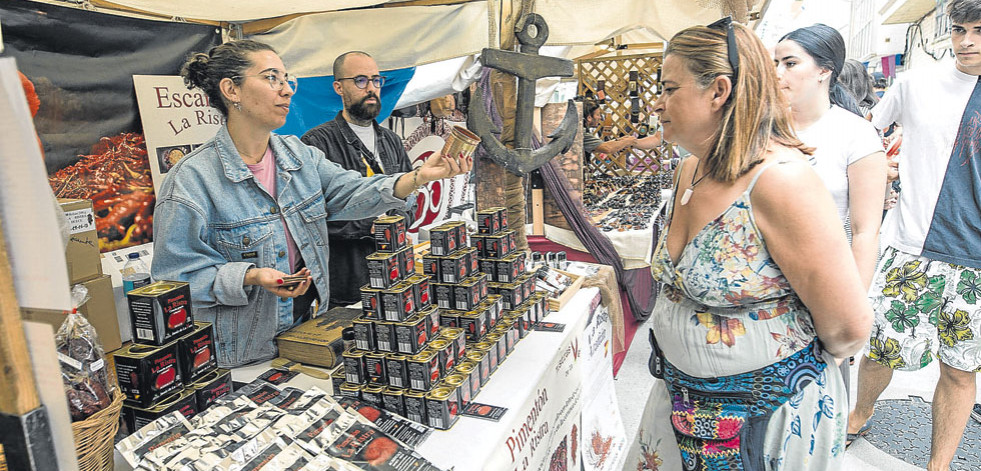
[248, 207]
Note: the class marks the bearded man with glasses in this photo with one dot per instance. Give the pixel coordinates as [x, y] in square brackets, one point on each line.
[355, 141]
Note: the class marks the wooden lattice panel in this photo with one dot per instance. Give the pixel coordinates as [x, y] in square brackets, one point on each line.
[613, 75]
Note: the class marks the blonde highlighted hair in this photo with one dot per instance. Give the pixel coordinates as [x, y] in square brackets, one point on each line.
[756, 112]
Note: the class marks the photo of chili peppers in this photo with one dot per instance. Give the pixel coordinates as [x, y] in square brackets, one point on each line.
[116, 177]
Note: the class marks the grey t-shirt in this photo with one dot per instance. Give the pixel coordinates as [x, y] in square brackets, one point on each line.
[590, 142]
[369, 139]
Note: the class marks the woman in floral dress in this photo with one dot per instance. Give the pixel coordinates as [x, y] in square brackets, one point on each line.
[760, 291]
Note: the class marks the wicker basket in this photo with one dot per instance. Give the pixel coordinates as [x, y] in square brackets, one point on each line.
[93, 437]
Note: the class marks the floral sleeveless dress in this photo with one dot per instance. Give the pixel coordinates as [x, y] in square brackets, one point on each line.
[725, 308]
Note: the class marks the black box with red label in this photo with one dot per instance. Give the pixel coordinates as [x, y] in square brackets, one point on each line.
[384, 270]
[147, 373]
[196, 352]
[184, 401]
[211, 386]
[160, 312]
[390, 234]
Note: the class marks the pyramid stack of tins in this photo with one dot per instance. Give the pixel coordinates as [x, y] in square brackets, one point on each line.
[426, 365]
[171, 364]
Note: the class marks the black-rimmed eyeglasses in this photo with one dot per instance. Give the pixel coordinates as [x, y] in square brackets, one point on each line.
[361, 81]
[725, 24]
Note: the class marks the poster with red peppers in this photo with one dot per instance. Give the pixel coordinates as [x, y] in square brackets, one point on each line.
[81, 66]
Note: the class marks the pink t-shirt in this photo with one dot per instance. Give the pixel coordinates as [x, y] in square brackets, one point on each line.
[265, 174]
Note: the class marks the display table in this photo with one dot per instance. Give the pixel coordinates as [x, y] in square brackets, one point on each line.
[557, 387]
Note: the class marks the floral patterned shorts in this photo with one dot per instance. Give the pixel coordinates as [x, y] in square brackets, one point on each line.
[925, 308]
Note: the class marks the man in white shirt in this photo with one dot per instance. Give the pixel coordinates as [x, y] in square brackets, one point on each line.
[927, 287]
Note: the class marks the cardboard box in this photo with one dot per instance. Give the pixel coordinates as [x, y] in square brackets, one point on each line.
[82, 253]
[100, 310]
[318, 341]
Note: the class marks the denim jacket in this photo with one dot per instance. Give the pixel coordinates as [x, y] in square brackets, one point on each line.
[213, 221]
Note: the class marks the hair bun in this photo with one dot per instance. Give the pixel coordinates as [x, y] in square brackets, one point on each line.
[195, 70]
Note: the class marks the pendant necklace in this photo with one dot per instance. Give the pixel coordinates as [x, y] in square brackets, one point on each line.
[691, 188]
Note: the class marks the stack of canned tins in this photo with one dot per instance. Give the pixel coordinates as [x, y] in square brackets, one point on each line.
[425, 345]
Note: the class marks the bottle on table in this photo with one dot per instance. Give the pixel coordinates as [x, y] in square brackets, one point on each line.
[135, 273]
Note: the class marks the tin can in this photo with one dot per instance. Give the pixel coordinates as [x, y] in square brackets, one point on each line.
[479, 242]
[350, 390]
[407, 258]
[372, 394]
[337, 378]
[390, 234]
[493, 359]
[472, 323]
[431, 315]
[458, 339]
[494, 307]
[488, 222]
[466, 295]
[442, 240]
[415, 406]
[449, 317]
[364, 334]
[502, 217]
[482, 359]
[374, 365]
[423, 370]
[355, 371]
[420, 288]
[462, 239]
[443, 293]
[527, 282]
[443, 407]
[398, 302]
[148, 373]
[522, 258]
[371, 302]
[397, 369]
[495, 246]
[507, 268]
[393, 400]
[485, 311]
[385, 336]
[446, 355]
[499, 344]
[411, 335]
[488, 266]
[431, 266]
[160, 312]
[460, 144]
[471, 370]
[472, 258]
[384, 270]
[512, 241]
[454, 267]
[462, 383]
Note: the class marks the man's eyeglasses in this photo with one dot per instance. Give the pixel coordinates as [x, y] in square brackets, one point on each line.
[725, 24]
[275, 81]
[361, 81]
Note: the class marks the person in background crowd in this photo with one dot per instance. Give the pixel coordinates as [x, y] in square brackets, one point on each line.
[848, 153]
[857, 81]
[751, 248]
[928, 281]
[247, 207]
[355, 141]
[592, 144]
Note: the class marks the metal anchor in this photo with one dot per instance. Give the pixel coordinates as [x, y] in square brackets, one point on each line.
[528, 66]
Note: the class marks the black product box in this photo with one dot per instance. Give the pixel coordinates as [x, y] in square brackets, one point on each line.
[371, 302]
[466, 295]
[443, 240]
[488, 222]
[184, 401]
[196, 352]
[443, 295]
[508, 268]
[454, 268]
[407, 261]
[390, 234]
[472, 260]
[384, 270]
[423, 294]
[147, 373]
[211, 386]
[399, 302]
[160, 312]
[431, 266]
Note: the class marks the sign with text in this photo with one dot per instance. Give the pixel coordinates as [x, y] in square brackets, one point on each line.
[175, 120]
